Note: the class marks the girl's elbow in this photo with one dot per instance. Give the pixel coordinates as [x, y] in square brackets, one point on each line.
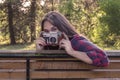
[101, 63]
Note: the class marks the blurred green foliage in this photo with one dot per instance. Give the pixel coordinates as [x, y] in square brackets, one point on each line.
[96, 19]
[109, 23]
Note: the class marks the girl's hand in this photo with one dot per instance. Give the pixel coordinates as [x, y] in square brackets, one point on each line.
[40, 43]
[66, 44]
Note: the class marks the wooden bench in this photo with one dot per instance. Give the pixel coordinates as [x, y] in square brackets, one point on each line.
[53, 65]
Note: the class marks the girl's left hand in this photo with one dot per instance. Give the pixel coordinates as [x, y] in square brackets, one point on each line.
[66, 44]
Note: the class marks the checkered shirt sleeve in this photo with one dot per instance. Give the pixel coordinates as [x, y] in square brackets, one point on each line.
[97, 55]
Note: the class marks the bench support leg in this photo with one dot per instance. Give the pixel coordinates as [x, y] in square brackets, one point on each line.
[27, 69]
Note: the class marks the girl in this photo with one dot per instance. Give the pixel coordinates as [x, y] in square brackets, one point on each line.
[74, 44]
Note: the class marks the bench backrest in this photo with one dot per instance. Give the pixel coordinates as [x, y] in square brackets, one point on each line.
[53, 66]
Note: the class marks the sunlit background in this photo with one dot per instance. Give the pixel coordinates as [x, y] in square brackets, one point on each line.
[98, 20]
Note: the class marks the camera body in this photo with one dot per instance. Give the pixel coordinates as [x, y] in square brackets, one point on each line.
[52, 38]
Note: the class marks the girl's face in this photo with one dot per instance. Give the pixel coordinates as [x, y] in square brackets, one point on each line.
[49, 27]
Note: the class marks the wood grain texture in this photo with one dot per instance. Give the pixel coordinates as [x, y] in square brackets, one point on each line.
[53, 65]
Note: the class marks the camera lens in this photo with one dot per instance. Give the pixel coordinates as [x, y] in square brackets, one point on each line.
[52, 39]
[46, 39]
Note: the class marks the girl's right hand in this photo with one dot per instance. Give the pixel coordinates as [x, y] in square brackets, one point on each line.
[40, 43]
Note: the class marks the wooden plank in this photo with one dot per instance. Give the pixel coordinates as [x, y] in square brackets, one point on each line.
[12, 65]
[52, 58]
[109, 52]
[45, 51]
[13, 75]
[70, 65]
[67, 58]
[12, 79]
[51, 63]
[54, 67]
[75, 74]
[9, 58]
[17, 51]
[32, 51]
[11, 61]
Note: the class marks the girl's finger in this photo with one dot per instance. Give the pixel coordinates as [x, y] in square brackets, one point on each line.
[66, 37]
[61, 46]
[41, 33]
[41, 38]
[62, 41]
[41, 42]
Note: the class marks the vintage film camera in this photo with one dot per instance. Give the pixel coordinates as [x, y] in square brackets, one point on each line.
[52, 38]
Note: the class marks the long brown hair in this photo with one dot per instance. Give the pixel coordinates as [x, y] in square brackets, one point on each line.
[58, 20]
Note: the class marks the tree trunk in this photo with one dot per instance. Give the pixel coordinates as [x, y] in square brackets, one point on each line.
[10, 23]
[52, 5]
[32, 20]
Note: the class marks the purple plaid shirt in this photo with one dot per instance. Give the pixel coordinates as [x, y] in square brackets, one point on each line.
[97, 55]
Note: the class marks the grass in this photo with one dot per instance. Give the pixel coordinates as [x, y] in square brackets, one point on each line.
[105, 47]
[111, 48]
[28, 46]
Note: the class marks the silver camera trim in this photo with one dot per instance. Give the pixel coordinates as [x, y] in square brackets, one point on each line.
[47, 36]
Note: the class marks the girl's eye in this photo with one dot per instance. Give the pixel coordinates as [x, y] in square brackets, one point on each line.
[53, 29]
